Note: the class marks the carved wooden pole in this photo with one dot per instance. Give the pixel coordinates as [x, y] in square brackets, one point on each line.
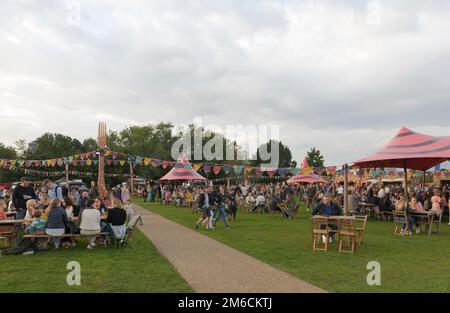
[101, 158]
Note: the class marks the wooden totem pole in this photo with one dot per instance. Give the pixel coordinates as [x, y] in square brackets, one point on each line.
[101, 159]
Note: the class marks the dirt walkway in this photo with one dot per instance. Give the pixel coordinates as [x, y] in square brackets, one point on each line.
[210, 266]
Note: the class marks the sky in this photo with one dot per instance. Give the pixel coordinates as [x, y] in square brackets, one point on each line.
[341, 76]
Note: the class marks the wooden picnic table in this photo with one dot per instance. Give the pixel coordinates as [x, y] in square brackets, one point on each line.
[429, 215]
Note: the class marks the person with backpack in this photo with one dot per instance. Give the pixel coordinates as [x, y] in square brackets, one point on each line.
[53, 190]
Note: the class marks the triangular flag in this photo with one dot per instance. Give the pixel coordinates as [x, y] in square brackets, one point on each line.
[147, 161]
[108, 162]
[226, 169]
[206, 168]
[216, 169]
[122, 162]
[165, 163]
[197, 166]
[248, 169]
[238, 169]
[88, 162]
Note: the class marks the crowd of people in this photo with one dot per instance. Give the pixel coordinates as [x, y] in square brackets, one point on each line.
[222, 202]
[49, 209]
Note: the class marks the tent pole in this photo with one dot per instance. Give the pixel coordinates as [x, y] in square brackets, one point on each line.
[346, 189]
[406, 183]
[423, 180]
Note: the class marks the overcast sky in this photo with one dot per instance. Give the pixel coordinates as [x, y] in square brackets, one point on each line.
[339, 75]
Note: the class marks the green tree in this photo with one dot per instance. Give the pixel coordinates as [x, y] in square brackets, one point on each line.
[90, 144]
[285, 154]
[50, 146]
[315, 158]
[8, 152]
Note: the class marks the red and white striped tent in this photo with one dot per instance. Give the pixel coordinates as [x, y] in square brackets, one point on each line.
[409, 150]
[182, 171]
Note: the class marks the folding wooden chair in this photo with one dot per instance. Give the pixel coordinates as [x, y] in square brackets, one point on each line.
[436, 221]
[320, 228]
[360, 228]
[347, 235]
[400, 222]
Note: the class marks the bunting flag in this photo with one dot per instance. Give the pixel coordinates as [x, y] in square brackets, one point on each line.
[238, 169]
[259, 172]
[197, 166]
[165, 163]
[226, 169]
[156, 163]
[248, 169]
[217, 169]
[147, 161]
[88, 162]
[122, 162]
[206, 168]
[331, 170]
[282, 171]
[294, 171]
[271, 173]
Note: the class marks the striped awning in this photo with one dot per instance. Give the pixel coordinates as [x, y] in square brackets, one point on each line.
[302, 178]
[182, 170]
[410, 150]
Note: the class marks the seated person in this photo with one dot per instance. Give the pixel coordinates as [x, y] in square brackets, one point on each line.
[38, 225]
[90, 222]
[260, 202]
[116, 219]
[328, 208]
[3, 216]
[56, 222]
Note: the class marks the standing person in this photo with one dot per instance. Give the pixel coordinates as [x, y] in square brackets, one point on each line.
[220, 198]
[53, 190]
[125, 197]
[56, 221]
[90, 222]
[75, 196]
[118, 192]
[205, 202]
[93, 191]
[21, 194]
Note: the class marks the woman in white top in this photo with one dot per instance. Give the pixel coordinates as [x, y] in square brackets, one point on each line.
[90, 221]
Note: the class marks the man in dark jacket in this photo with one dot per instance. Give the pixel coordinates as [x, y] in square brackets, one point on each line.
[206, 201]
[328, 208]
[21, 194]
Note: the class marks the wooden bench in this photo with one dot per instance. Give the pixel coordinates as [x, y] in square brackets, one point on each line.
[63, 235]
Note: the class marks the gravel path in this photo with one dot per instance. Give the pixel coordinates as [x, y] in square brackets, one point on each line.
[210, 266]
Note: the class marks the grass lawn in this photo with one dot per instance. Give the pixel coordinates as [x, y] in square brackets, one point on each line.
[141, 269]
[415, 263]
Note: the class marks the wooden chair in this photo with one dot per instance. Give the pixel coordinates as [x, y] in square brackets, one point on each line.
[347, 235]
[437, 221]
[360, 228]
[6, 234]
[400, 222]
[320, 228]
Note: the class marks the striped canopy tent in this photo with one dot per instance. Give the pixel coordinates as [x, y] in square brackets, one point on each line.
[409, 150]
[307, 179]
[182, 171]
